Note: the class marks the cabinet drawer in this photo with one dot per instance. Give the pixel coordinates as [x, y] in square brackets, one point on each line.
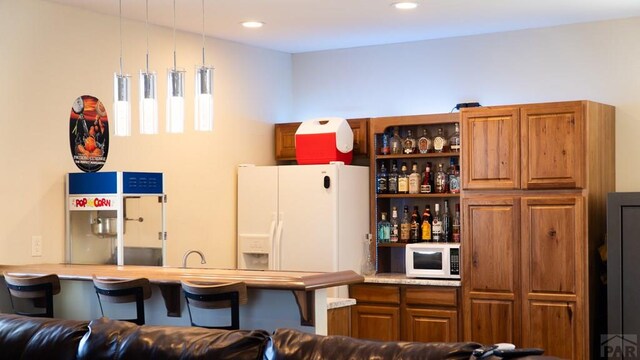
[374, 293]
[431, 296]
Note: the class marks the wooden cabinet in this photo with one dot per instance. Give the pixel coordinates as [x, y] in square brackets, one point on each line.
[339, 321]
[285, 139]
[533, 217]
[538, 146]
[409, 313]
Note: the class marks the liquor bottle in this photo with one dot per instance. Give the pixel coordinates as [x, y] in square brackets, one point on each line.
[439, 141]
[396, 142]
[385, 149]
[455, 227]
[392, 181]
[436, 225]
[409, 144]
[414, 236]
[395, 226]
[424, 142]
[426, 224]
[405, 226]
[425, 186]
[384, 229]
[414, 180]
[440, 180]
[454, 178]
[454, 140]
[381, 180]
[403, 180]
[446, 222]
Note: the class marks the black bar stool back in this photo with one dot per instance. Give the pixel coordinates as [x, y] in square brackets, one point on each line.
[216, 296]
[124, 291]
[40, 289]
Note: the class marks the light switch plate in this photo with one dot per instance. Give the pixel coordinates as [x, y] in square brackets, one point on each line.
[36, 245]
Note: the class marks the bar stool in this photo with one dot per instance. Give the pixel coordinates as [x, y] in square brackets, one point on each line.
[124, 291]
[216, 296]
[40, 289]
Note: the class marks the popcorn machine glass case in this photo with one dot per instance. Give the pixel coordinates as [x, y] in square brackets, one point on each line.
[115, 218]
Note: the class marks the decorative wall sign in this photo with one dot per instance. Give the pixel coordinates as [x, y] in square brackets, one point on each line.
[89, 133]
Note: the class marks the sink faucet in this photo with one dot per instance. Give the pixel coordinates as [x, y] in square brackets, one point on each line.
[186, 255]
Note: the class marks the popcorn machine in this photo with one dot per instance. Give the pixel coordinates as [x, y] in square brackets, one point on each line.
[115, 218]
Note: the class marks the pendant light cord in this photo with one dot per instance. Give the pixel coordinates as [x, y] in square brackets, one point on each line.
[174, 35]
[120, 13]
[146, 26]
[203, 63]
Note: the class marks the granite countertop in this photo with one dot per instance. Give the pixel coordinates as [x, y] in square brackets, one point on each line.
[402, 279]
[335, 303]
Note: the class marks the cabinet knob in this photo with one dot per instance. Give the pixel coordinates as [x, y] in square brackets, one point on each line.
[552, 233]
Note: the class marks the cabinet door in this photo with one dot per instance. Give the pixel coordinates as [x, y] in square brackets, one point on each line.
[552, 245]
[375, 322]
[490, 146]
[552, 327]
[431, 325]
[286, 141]
[553, 271]
[491, 268]
[491, 321]
[553, 146]
[360, 135]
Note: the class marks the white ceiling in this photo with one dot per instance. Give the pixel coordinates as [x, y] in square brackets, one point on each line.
[295, 26]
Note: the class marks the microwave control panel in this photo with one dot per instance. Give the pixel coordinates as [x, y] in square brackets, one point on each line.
[455, 261]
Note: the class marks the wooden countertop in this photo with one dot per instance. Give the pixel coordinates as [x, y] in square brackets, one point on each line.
[301, 283]
[282, 280]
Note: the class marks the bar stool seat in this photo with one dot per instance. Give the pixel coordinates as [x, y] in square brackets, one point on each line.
[124, 291]
[40, 289]
[216, 296]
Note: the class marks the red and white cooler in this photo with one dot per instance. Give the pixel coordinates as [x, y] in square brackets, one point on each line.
[320, 141]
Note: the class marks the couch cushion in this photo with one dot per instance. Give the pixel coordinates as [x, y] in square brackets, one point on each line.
[294, 344]
[28, 338]
[111, 339]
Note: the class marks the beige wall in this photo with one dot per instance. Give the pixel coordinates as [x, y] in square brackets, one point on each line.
[50, 54]
[594, 61]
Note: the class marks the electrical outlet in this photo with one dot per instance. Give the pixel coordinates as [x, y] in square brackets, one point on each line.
[36, 245]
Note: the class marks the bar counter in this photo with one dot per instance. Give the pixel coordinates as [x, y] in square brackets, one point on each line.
[303, 285]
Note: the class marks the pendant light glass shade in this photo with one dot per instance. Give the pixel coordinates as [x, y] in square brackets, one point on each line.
[122, 104]
[175, 100]
[148, 103]
[204, 99]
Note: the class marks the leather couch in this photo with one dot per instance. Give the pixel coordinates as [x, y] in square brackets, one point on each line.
[38, 338]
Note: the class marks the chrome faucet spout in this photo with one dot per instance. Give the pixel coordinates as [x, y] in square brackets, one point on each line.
[186, 256]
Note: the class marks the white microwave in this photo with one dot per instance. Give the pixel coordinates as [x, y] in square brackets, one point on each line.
[433, 260]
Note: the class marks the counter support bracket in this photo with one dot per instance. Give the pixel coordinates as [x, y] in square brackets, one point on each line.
[171, 296]
[306, 305]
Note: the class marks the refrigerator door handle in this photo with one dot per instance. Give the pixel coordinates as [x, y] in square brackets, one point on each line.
[272, 234]
[276, 246]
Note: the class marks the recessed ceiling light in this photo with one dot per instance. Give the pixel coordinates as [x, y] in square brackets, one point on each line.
[252, 24]
[405, 5]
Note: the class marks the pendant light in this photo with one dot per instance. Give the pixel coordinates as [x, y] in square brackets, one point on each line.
[175, 90]
[121, 93]
[148, 93]
[204, 91]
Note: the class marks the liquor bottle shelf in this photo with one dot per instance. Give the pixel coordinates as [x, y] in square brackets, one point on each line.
[419, 156]
[431, 195]
[401, 244]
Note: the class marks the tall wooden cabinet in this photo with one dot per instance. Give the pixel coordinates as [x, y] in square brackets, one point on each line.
[535, 178]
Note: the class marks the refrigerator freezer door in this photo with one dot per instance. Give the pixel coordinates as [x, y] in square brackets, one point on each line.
[308, 210]
[257, 216]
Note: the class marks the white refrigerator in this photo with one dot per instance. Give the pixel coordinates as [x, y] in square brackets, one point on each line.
[302, 217]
